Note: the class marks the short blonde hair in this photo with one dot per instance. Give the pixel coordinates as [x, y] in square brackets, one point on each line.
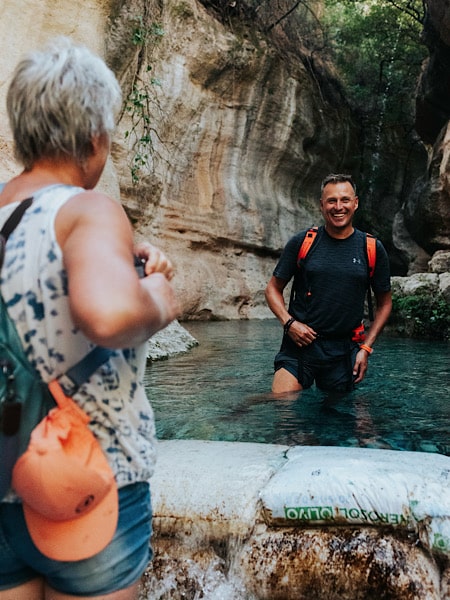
[58, 100]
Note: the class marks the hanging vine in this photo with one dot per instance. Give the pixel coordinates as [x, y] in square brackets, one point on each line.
[141, 102]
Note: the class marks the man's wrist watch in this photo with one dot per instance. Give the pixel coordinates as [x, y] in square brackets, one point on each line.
[287, 325]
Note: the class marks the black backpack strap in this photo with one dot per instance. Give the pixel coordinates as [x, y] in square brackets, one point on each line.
[10, 224]
[80, 372]
[15, 217]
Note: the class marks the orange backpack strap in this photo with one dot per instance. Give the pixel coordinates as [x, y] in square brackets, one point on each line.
[371, 246]
[307, 243]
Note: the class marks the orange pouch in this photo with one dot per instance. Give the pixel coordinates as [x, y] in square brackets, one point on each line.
[358, 334]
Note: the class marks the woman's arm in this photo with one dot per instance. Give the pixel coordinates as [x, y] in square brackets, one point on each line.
[108, 301]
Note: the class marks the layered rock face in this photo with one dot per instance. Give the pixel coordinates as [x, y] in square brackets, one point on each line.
[427, 212]
[244, 136]
[241, 136]
[244, 123]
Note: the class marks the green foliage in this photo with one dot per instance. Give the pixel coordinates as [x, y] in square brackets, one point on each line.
[376, 47]
[141, 101]
[421, 316]
[139, 106]
[143, 34]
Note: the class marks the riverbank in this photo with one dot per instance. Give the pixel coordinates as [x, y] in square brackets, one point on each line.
[237, 521]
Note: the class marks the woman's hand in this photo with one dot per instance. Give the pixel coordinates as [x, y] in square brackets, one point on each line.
[107, 301]
[154, 259]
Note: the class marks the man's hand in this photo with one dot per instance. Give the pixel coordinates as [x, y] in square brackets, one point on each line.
[360, 366]
[301, 334]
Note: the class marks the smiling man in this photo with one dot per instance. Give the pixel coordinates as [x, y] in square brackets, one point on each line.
[321, 341]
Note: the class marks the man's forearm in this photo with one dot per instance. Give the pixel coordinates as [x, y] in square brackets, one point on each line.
[384, 307]
[275, 301]
[278, 307]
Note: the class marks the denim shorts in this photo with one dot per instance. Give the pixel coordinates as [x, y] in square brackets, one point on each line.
[328, 363]
[117, 567]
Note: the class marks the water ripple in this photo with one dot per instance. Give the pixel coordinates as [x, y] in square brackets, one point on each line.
[220, 390]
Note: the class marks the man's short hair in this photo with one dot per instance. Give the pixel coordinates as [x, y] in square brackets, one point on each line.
[338, 178]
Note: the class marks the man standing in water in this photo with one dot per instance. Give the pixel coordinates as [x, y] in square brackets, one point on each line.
[327, 302]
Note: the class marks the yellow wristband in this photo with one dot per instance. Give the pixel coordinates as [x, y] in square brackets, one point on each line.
[366, 348]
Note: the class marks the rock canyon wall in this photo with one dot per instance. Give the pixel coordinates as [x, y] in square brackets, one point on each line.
[244, 123]
[244, 136]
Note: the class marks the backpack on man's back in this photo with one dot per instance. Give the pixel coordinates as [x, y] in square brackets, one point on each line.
[371, 252]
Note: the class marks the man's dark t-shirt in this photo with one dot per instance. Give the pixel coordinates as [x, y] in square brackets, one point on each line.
[331, 283]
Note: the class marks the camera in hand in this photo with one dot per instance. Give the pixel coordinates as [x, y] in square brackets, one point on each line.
[139, 265]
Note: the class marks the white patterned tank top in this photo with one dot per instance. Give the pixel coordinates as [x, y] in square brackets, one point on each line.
[34, 286]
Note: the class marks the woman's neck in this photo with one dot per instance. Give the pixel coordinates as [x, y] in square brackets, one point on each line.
[41, 175]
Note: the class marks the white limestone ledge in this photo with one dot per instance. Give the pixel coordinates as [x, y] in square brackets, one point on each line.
[170, 341]
[285, 520]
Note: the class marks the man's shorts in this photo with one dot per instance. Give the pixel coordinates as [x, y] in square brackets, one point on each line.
[117, 567]
[328, 363]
